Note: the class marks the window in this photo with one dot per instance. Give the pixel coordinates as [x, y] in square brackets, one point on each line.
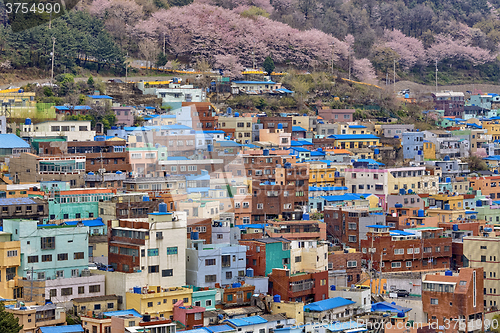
[429, 250]
[53, 292]
[81, 290]
[111, 306]
[229, 275]
[152, 252]
[97, 306]
[62, 256]
[395, 265]
[209, 262]
[399, 251]
[95, 288]
[48, 243]
[210, 278]
[408, 264]
[260, 206]
[12, 253]
[154, 269]
[352, 263]
[167, 272]
[150, 304]
[66, 291]
[208, 303]
[79, 255]
[434, 301]
[46, 257]
[352, 226]
[483, 258]
[416, 250]
[352, 238]
[32, 259]
[409, 250]
[172, 250]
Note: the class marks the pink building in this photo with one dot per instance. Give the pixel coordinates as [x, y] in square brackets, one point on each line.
[124, 115]
[336, 115]
[189, 316]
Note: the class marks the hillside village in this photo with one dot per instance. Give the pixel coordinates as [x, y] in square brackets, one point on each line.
[186, 215]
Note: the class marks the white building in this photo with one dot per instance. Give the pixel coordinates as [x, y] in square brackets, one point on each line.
[175, 93]
[73, 130]
[208, 264]
[313, 256]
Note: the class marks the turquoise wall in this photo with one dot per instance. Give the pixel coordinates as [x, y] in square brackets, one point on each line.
[275, 256]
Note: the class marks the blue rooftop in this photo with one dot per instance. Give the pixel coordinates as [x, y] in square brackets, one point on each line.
[177, 158]
[343, 197]
[227, 143]
[254, 226]
[357, 126]
[327, 188]
[61, 329]
[300, 149]
[401, 233]
[247, 321]
[353, 136]
[88, 223]
[369, 161]
[298, 129]
[9, 141]
[218, 328]
[328, 304]
[76, 107]
[16, 201]
[123, 313]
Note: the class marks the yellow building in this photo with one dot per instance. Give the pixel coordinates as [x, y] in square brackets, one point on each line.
[455, 202]
[429, 150]
[492, 128]
[242, 127]
[96, 304]
[32, 318]
[302, 121]
[18, 104]
[97, 325]
[346, 141]
[294, 310]
[321, 174]
[484, 252]
[158, 301]
[10, 260]
[358, 129]
[446, 215]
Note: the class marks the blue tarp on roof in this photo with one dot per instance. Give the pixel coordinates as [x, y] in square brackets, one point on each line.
[76, 107]
[327, 188]
[177, 158]
[357, 126]
[344, 197]
[253, 226]
[61, 329]
[328, 304]
[386, 306]
[369, 161]
[377, 226]
[353, 136]
[254, 82]
[10, 141]
[284, 90]
[88, 223]
[300, 149]
[100, 97]
[298, 129]
[317, 153]
[492, 158]
[401, 233]
[123, 313]
[251, 145]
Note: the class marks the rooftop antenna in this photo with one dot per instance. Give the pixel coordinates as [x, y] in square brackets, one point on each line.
[436, 75]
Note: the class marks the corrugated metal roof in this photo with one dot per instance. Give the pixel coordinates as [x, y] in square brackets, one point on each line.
[9, 141]
[328, 304]
[17, 201]
[61, 329]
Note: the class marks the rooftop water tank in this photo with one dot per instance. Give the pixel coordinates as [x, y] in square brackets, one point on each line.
[393, 303]
[249, 272]
[448, 273]
[27, 121]
[448, 180]
[398, 205]
[280, 126]
[91, 173]
[305, 216]
[446, 206]
[265, 152]
[277, 298]
[229, 110]
[337, 174]
[479, 203]
[145, 198]
[236, 114]
[401, 314]
[236, 285]
[488, 229]
[119, 172]
[421, 213]
[162, 207]
[376, 151]
[419, 152]
[333, 288]
[455, 227]
[137, 290]
[447, 158]
[195, 235]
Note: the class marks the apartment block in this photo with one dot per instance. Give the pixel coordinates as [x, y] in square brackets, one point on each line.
[299, 287]
[10, 260]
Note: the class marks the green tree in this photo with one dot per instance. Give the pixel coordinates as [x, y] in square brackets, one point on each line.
[476, 163]
[90, 81]
[269, 65]
[162, 60]
[8, 323]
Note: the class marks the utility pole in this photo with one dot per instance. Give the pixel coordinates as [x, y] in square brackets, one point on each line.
[332, 45]
[394, 82]
[126, 68]
[380, 273]
[31, 284]
[370, 267]
[436, 75]
[52, 72]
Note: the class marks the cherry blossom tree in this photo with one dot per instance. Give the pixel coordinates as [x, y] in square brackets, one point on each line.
[445, 47]
[410, 50]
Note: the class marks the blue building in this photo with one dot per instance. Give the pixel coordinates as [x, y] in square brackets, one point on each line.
[412, 143]
[51, 251]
